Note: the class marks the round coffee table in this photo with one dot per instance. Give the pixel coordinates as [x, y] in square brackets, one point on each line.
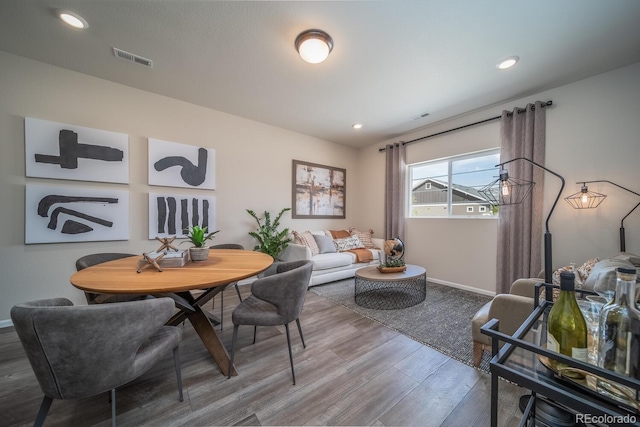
[389, 291]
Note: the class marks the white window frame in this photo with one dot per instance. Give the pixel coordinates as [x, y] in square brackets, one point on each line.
[469, 209]
[449, 211]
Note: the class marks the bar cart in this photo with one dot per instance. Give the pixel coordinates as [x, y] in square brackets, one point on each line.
[524, 361]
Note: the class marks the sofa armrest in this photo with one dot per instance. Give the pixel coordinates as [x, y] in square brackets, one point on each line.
[525, 287]
[295, 252]
[511, 311]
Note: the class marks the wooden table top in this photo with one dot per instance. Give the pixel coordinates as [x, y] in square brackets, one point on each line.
[223, 266]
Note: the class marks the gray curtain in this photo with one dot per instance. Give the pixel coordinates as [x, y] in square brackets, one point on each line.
[520, 226]
[394, 191]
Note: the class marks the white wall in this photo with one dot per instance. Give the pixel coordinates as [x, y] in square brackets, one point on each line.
[593, 132]
[253, 168]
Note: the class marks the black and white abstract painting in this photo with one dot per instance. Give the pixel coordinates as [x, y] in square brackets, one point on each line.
[172, 164]
[172, 214]
[63, 151]
[55, 214]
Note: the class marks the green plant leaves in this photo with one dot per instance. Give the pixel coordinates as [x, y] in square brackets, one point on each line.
[270, 240]
[198, 237]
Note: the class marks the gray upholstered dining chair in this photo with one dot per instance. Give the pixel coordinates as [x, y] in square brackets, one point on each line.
[275, 300]
[81, 351]
[99, 258]
[235, 284]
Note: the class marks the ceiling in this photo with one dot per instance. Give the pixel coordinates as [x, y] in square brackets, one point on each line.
[392, 61]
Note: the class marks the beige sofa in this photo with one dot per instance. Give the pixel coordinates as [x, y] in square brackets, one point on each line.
[330, 266]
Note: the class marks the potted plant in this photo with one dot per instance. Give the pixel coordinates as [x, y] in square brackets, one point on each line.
[270, 240]
[198, 237]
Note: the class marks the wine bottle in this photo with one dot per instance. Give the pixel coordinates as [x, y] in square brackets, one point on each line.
[619, 334]
[566, 327]
[616, 336]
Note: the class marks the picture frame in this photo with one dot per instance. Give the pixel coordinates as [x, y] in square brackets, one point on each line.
[64, 151]
[172, 164]
[319, 191]
[171, 214]
[61, 214]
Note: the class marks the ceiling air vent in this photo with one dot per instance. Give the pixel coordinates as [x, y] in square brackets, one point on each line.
[132, 58]
[421, 116]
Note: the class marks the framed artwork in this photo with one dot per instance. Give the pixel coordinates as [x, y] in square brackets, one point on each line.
[318, 191]
[171, 214]
[62, 151]
[55, 214]
[172, 164]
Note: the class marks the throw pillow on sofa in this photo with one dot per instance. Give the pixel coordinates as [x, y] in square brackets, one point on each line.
[347, 243]
[364, 236]
[337, 234]
[307, 239]
[325, 244]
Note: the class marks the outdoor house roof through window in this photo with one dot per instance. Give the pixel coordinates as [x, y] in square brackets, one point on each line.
[449, 187]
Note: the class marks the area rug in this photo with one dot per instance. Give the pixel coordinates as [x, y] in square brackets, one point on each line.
[442, 321]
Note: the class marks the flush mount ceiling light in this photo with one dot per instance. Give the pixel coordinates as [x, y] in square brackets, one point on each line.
[508, 62]
[314, 46]
[357, 125]
[73, 19]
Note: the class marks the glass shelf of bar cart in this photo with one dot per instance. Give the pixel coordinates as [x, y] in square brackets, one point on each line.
[578, 387]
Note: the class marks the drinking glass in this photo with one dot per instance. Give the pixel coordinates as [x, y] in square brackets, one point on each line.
[605, 286]
[591, 312]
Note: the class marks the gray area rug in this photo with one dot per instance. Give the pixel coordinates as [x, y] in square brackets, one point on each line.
[442, 321]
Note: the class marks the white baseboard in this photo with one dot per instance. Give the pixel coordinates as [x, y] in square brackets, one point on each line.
[6, 323]
[463, 287]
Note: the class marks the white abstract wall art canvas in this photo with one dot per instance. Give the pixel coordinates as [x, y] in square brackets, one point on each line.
[55, 214]
[63, 151]
[171, 214]
[172, 164]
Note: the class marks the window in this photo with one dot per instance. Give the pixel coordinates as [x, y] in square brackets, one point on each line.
[449, 187]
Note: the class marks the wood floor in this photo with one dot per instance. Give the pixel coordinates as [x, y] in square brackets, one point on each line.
[354, 372]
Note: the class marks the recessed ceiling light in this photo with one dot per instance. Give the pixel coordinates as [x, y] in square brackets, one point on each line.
[508, 62]
[357, 125]
[73, 19]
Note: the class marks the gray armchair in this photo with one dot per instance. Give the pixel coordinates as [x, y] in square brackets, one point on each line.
[275, 300]
[99, 258]
[510, 309]
[81, 351]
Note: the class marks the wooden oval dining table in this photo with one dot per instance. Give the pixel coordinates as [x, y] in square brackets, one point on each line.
[224, 266]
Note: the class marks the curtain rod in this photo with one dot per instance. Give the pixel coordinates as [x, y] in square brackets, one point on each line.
[520, 110]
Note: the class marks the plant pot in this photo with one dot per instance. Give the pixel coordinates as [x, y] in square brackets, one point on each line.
[199, 254]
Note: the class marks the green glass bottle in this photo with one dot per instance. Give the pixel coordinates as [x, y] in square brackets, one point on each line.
[566, 327]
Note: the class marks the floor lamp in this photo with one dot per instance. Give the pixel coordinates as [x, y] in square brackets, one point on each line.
[586, 199]
[511, 191]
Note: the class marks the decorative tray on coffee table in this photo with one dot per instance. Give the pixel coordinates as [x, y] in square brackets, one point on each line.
[392, 269]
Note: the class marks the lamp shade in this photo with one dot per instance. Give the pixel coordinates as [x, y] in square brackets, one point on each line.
[506, 190]
[314, 46]
[585, 199]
